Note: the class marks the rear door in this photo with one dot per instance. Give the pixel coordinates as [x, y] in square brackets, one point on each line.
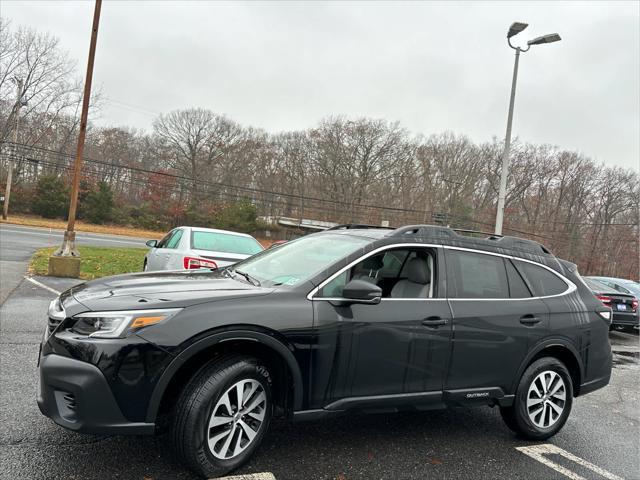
[171, 255]
[156, 259]
[496, 321]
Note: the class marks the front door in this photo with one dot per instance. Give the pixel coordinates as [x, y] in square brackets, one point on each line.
[397, 347]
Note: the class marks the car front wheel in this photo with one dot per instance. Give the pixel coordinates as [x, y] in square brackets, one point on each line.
[222, 415]
[543, 400]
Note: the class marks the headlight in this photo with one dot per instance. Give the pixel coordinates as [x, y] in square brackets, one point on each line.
[116, 324]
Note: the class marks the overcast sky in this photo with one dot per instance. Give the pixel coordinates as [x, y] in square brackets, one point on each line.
[432, 66]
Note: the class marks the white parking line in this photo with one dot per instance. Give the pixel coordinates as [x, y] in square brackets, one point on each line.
[42, 285]
[537, 452]
[249, 476]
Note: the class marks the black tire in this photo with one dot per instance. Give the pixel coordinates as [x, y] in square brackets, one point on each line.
[144, 266]
[517, 417]
[190, 425]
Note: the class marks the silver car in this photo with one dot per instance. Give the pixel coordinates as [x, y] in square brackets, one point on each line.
[186, 248]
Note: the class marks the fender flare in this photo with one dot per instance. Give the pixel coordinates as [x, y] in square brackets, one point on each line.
[216, 338]
[547, 343]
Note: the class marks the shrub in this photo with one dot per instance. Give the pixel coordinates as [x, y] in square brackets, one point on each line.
[98, 204]
[51, 197]
[240, 216]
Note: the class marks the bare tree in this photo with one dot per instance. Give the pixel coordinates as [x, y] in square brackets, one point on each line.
[47, 72]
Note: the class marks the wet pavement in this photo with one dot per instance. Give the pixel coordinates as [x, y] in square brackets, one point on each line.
[603, 430]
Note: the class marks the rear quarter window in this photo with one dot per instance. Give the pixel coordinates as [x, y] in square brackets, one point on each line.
[541, 281]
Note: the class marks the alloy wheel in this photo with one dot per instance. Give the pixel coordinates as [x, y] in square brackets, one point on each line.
[236, 419]
[546, 399]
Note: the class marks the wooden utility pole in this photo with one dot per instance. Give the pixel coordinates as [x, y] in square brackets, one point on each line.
[7, 190]
[68, 248]
[68, 244]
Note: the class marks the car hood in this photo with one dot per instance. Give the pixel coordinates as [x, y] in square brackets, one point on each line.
[161, 290]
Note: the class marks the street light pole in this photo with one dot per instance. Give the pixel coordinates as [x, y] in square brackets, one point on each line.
[515, 28]
[18, 106]
[507, 148]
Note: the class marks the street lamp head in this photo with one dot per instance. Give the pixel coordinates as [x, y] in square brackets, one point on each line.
[516, 28]
[552, 37]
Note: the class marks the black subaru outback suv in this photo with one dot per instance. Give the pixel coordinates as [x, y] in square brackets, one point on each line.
[364, 319]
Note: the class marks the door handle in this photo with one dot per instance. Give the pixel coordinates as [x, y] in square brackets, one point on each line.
[529, 320]
[433, 322]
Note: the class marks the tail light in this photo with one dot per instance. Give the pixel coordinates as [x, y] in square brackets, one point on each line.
[606, 314]
[606, 301]
[634, 304]
[191, 263]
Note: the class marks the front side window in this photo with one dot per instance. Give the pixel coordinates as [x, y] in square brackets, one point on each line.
[300, 260]
[542, 282]
[224, 242]
[400, 273]
[476, 275]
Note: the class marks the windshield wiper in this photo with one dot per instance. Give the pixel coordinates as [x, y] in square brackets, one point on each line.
[253, 281]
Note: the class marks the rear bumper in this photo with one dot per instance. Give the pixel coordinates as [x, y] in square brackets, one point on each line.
[625, 319]
[75, 395]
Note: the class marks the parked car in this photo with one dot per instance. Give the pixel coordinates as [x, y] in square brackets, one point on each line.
[277, 243]
[623, 305]
[187, 248]
[334, 322]
[621, 284]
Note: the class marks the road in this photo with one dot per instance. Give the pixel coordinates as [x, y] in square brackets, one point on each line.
[18, 243]
[599, 441]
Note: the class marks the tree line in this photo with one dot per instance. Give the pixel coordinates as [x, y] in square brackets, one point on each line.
[199, 167]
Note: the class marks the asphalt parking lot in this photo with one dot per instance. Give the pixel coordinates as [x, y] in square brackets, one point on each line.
[600, 440]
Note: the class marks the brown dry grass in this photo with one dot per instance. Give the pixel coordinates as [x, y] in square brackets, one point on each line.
[36, 221]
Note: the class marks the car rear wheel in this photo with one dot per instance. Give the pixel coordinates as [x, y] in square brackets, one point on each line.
[222, 415]
[543, 400]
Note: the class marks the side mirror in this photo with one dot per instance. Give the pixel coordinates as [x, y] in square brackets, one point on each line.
[361, 291]
[151, 243]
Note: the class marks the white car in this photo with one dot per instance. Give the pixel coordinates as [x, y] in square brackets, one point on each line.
[186, 248]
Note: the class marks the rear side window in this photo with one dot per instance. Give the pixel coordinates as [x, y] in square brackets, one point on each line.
[475, 275]
[174, 240]
[517, 287]
[224, 242]
[163, 243]
[542, 282]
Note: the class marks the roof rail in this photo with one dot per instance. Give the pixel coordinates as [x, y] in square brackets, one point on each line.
[424, 231]
[356, 226]
[491, 236]
[521, 244]
[435, 231]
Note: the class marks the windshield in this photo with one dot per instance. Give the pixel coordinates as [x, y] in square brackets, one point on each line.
[224, 242]
[301, 259]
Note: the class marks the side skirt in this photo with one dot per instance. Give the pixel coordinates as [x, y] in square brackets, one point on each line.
[409, 401]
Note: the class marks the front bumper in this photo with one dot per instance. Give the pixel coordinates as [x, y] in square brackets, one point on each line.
[76, 395]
